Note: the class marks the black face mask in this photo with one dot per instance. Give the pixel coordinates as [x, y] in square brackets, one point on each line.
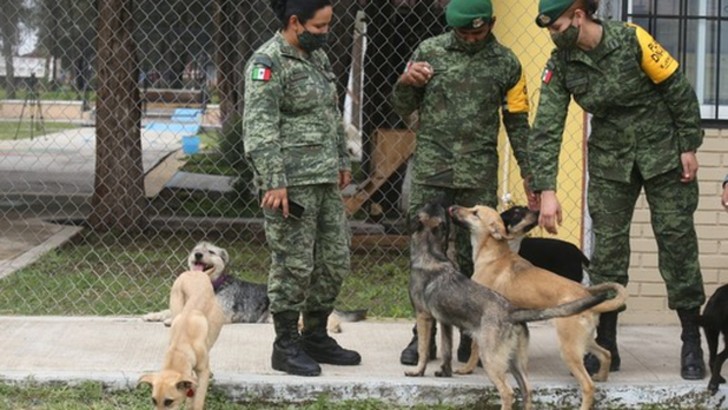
[311, 42]
[470, 47]
[566, 39]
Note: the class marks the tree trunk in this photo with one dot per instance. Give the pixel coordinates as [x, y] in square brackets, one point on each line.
[228, 22]
[341, 45]
[9, 19]
[118, 201]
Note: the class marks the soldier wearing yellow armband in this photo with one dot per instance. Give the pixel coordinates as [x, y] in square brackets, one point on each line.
[645, 131]
[461, 84]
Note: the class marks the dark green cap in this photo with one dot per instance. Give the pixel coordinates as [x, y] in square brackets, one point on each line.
[550, 10]
[468, 14]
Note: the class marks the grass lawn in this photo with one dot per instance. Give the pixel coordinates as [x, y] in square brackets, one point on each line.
[106, 275]
[9, 129]
[93, 396]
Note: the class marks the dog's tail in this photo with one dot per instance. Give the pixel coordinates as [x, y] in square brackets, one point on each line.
[351, 315]
[610, 288]
[566, 309]
[585, 262]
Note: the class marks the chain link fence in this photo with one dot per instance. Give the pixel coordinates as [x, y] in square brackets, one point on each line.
[120, 120]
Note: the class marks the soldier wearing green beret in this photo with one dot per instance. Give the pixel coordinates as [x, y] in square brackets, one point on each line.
[645, 130]
[460, 83]
[294, 138]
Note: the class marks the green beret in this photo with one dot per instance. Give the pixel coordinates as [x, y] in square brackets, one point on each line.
[550, 10]
[468, 14]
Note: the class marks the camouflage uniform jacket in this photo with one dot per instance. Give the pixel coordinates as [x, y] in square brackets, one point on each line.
[458, 112]
[292, 127]
[644, 111]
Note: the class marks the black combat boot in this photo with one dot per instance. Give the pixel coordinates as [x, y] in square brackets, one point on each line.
[321, 347]
[692, 366]
[606, 338]
[288, 354]
[410, 356]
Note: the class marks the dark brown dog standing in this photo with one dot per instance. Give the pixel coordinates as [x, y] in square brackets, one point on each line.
[497, 267]
[439, 292]
[715, 321]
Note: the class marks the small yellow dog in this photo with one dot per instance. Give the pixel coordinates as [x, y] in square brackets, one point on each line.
[196, 322]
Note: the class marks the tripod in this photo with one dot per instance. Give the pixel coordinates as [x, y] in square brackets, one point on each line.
[32, 101]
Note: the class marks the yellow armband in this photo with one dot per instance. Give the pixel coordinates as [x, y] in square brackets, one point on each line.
[656, 62]
[517, 97]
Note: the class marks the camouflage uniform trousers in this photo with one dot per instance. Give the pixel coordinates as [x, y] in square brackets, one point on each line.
[422, 194]
[310, 256]
[672, 204]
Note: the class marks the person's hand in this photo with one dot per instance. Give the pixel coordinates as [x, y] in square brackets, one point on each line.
[344, 178]
[276, 198]
[689, 166]
[418, 74]
[531, 196]
[724, 197]
[550, 215]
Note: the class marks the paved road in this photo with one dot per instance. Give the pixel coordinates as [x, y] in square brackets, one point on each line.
[63, 163]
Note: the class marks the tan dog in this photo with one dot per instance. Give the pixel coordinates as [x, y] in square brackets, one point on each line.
[439, 292]
[196, 322]
[240, 300]
[497, 267]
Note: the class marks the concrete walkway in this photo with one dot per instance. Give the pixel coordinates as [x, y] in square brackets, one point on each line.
[117, 350]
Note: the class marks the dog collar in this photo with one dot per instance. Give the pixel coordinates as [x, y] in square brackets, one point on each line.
[221, 280]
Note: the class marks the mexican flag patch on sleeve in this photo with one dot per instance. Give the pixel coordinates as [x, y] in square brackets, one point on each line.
[261, 74]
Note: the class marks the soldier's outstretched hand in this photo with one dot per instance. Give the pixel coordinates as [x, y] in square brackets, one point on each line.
[550, 215]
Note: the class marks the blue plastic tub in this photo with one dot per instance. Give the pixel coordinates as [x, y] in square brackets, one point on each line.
[190, 144]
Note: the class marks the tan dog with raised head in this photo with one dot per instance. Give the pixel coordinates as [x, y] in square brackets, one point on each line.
[497, 267]
[196, 322]
[439, 292]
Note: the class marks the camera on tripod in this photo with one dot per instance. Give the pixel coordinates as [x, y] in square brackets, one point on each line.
[32, 102]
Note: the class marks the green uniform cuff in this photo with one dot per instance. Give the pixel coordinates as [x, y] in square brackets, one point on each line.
[272, 181]
[690, 143]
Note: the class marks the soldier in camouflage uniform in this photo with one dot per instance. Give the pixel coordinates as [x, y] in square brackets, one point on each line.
[460, 82]
[645, 131]
[294, 138]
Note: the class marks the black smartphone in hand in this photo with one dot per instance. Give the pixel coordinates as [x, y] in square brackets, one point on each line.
[295, 209]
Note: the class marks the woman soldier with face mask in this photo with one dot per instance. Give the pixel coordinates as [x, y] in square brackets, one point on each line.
[294, 138]
[645, 130]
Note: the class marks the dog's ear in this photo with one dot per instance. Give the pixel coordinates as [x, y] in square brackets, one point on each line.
[413, 223]
[439, 200]
[435, 221]
[498, 230]
[146, 379]
[186, 384]
[225, 256]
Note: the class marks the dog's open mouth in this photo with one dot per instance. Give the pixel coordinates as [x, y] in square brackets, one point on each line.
[199, 266]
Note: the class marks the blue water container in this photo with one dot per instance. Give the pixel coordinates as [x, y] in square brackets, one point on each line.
[190, 144]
